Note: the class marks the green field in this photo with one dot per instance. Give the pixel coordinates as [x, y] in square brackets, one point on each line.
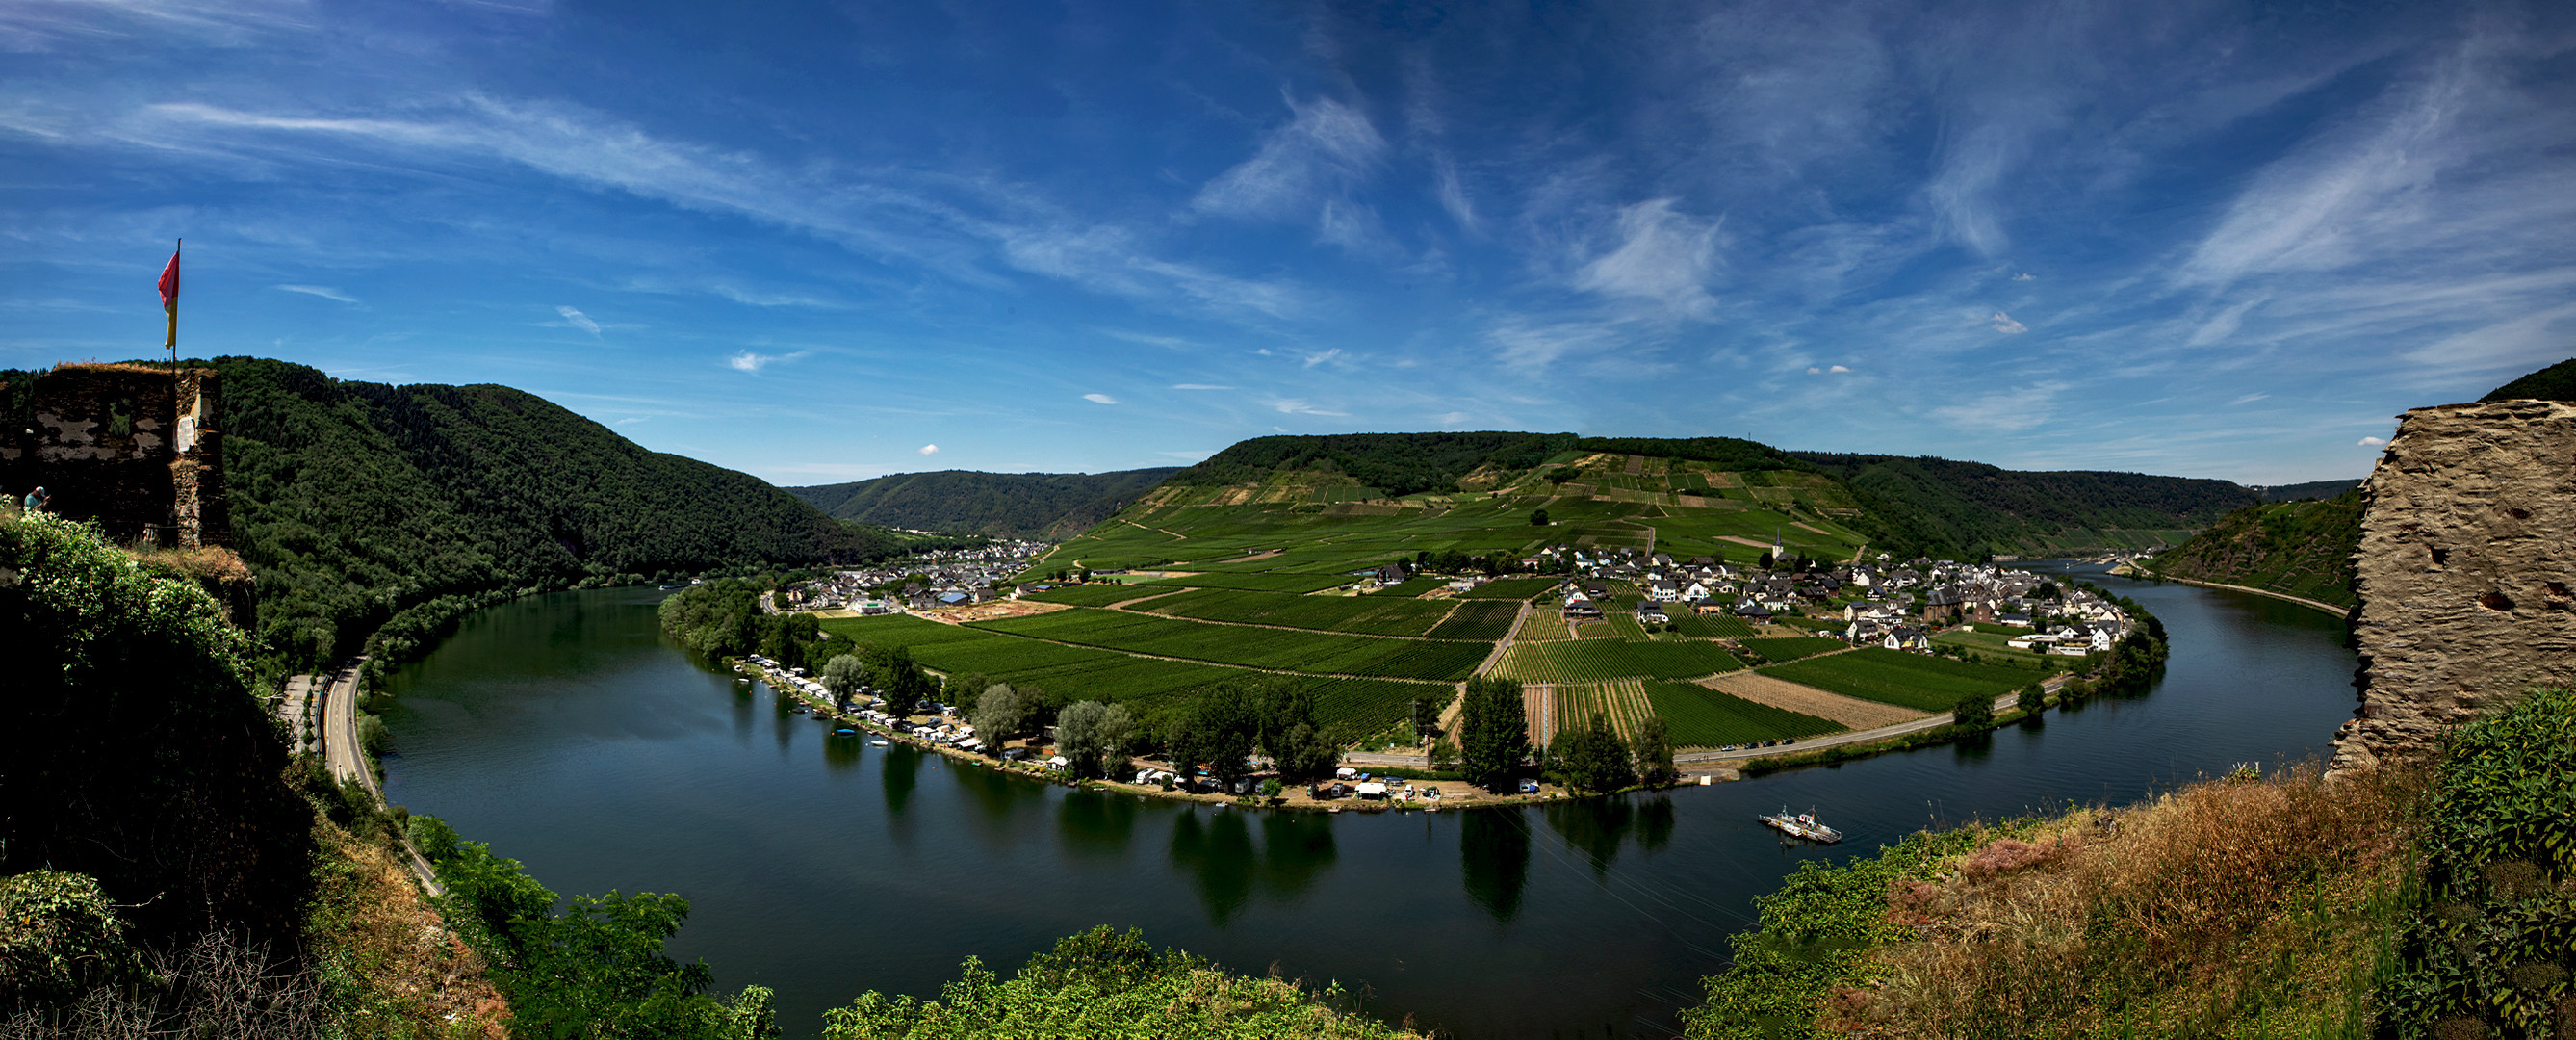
[1711, 626]
[1095, 595]
[1997, 645]
[1365, 615]
[1795, 648]
[1257, 582]
[1410, 587]
[1348, 708]
[1269, 648]
[1594, 660]
[1697, 716]
[1511, 588]
[1899, 678]
[1485, 619]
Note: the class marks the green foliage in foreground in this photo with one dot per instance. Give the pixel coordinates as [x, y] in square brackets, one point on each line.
[2491, 937]
[1816, 934]
[1108, 985]
[593, 969]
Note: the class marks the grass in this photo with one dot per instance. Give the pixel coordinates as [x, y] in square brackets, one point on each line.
[1996, 645]
[1511, 588]
[1266, 648]
[1697, 716]
[1596, 660]
[1289, 583]
[1899, 678]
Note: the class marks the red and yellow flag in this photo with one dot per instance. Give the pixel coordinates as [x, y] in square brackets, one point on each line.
[170, 294]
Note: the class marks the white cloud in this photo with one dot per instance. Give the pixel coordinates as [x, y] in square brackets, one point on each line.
[2374, 442]
[1325, 148]
[1814, 371]
[1298, 406]
[2005, 324]
[927, 449]
[582, 321]
[1662, 255]
[2008, 411]
[2523, 342]
[2247, 399]
[2024, 277]
[1100, 398]
[1534, 347]
[1313, 360]
[1186, 456]
[746, 361]
[1840, 368]
[1199, 386]
[323, 291]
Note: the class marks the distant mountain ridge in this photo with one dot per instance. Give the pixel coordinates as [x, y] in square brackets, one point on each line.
[1006, 505]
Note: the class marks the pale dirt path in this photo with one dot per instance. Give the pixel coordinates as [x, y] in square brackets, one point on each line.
[1722, 759]
[2300, 600]
[1808, 700]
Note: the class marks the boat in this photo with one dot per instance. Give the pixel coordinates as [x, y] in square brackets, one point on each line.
[879, 742]
[1802, 826]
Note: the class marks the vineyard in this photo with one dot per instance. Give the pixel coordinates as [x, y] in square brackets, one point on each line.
[1543, 625]
[1594, 660]
[1694, 716]
[1899, 678]
[1712, 626]
[1697, 716]
[1511, 588]
[1481, 619]
[1365, 615]
[1348, 709]
[1252, 647]
[1096, 595]
[1794, 648]
[1288, 583]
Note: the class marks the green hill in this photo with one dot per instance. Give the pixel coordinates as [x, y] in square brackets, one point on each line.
[356, 504]
[1933, 506]
[2301, 548]
[2311, 489]
[1004, 505]
[2555, 383]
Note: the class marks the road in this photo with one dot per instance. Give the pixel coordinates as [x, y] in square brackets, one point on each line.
[347, 760]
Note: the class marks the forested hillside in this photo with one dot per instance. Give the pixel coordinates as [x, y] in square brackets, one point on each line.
[1937, 506]
[2300, 548]
[2555, 383]
[2311, 489]
[1004, 505]
[1396, 464]
[355, 501]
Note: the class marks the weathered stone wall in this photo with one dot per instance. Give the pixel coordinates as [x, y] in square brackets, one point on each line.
[2464, 572]
[130, 447]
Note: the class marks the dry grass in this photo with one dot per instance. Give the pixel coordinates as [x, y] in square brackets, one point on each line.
[1808, 700]
[2237, 908]
[213, 562]
[402, 971]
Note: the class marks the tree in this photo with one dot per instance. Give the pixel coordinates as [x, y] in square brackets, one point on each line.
[1304, 754]
[2033, 698]
[1974, 711]
[999, 714]
[1655, 752]
[1538, 518]
[1593, 757]
[1493, 731]
[1117, 731]
[1218, 731]
[1444, 756]
[2046, 590]
[1078, 737]
[842, 677]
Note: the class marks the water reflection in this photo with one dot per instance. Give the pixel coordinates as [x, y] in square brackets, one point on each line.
[1593, 826]
[1093, 824]
[1493, 859]
[901, 772]
[1296, 849]
[1655, 824]
[841, 753]
[1217, 855]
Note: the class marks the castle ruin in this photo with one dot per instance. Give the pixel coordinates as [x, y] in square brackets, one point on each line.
[132, 447]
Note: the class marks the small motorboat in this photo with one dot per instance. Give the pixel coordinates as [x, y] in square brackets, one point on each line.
[1802, 826]
[879, 742]
[845, 731]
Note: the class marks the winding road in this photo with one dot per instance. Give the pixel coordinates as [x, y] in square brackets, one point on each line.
[347, 760]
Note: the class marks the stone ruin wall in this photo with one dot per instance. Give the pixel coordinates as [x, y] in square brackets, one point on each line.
[132, 448]
[2464, 573]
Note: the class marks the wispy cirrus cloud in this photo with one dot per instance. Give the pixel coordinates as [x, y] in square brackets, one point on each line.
[578, 320]
[1100, 398]
[323, 291]
[748, 361]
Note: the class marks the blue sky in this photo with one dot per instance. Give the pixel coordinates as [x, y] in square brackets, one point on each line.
[812, 241]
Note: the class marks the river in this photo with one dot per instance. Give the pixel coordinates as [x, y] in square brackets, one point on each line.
[568, 734]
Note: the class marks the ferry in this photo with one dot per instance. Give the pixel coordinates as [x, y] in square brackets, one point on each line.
[1802, 826]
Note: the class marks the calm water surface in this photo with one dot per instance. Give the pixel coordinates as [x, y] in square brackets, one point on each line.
[567, 733]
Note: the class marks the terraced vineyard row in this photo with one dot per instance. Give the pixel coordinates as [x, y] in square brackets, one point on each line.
[1542, 626]
[1711, 626]
[1366, 615]
[1096, 595]
[1896, 677]
[1252, 647]
[1594, 660]
[1511, 588]
[1288, 583]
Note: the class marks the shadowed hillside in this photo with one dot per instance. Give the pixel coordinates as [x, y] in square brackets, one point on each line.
[2300, 548]
[1004, 505]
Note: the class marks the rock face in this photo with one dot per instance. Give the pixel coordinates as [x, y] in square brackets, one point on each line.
[2464, 572]
[130, 447]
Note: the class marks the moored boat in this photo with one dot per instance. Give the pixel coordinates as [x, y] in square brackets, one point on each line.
[1802, 826]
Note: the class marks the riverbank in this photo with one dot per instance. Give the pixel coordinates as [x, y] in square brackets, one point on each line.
[2315, 604]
